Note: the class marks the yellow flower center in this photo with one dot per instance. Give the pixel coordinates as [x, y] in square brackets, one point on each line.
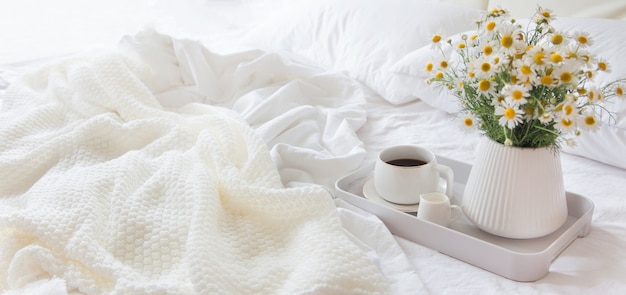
[571, 54]
[566, 122]
[484, 85]
[529, 110]
[517, 95]
[556, 58]
[485, 67]
[538, 58]
[545, 14]
[487, 50]
[602, 66]
[592, 96]
[471, 74]
[506, 41]
[439, 75]
[490, 26]
[436, 38]
[474, 37]
[566, 77]
[558, 108]
[429, 66]
[590, 120]
[443, 64]
[546, 80]
[619, 91]
[526, 70]
[568, 110]
[556, 39]
[582, 40]
[468, 122]
[509, 113]
[461, 45]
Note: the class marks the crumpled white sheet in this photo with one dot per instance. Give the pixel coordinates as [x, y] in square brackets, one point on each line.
[308, 117]
[373, 236]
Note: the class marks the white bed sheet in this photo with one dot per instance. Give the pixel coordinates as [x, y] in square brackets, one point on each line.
[592, 265]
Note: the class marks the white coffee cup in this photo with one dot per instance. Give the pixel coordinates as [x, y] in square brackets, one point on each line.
[402, 183]
[435, 207]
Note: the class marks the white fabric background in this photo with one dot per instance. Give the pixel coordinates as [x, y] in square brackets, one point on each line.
[594, 264]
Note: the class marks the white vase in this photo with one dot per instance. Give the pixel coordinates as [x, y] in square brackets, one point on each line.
[515, 192]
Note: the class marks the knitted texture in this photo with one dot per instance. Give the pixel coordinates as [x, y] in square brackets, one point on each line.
[102, 187]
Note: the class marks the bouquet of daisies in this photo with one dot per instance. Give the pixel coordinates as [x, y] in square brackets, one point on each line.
[524, 85]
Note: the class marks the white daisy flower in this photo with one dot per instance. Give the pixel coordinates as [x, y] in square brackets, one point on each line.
[484, 67]
[486, 87]
[582, 39]
[546, 78]
[508, 33]
[437, 41]
[565, 125]
[517, 93]
[544, 14]
[510, 114]
[491, 27]
[443, 64]
[588, 121]
[546, 117]
[556, 57]
[568, 110]
[566, 74]
[523, 71]
[603, 65]
[620, 90]
[558, 38]
[468, 123]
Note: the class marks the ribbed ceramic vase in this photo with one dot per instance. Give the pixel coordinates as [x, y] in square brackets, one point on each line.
[515, 192]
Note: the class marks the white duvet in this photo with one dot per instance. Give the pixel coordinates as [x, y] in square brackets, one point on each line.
[113, 180]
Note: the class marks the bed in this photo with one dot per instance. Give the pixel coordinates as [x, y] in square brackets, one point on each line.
[194, 148]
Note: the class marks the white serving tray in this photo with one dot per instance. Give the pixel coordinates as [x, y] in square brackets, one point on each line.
[519, 260]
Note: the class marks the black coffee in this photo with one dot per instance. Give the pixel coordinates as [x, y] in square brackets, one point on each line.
[406, 162]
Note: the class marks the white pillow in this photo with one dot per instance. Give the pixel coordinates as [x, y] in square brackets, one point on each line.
[608, 145]
[410, 75]
[361, 37]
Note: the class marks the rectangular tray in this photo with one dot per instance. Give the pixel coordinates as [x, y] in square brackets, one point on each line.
[520, 260]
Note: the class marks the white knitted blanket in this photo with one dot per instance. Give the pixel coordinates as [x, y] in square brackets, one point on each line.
[105, 189]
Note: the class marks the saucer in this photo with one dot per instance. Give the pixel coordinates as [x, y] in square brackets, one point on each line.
[370, 193]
